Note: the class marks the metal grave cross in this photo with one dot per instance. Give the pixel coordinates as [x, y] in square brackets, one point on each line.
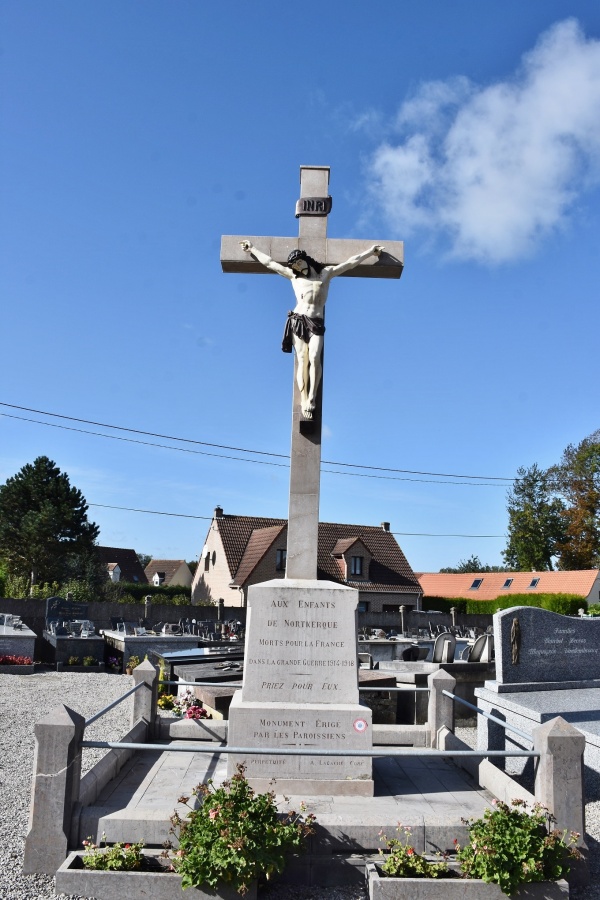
[312, 210]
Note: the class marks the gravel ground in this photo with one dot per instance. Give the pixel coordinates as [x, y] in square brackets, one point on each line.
[29, 697]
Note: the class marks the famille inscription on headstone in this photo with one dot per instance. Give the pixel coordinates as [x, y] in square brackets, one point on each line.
[536, 647]
[300, 687]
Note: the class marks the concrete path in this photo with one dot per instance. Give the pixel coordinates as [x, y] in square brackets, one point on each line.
[426, 794]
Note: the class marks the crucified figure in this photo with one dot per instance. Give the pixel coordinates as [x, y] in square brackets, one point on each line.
[305, 325]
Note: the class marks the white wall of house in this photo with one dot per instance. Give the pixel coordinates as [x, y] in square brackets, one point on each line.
[212, 578]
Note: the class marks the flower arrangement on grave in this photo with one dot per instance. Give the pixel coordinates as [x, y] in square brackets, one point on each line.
[12, 660]
[73, 661]
[113, 662]
[188, 706]
[131, 664]
[403, 861]
[234, 836]
[513, 845]
[118, 857]
[90, 661]
[166, 701]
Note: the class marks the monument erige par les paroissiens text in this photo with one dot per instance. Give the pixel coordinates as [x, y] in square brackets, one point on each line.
[300, 687]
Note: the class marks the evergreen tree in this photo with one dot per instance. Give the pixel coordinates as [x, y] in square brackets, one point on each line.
[44, 529]
[535, 522]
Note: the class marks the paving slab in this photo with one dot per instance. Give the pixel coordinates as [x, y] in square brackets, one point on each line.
[426, 794]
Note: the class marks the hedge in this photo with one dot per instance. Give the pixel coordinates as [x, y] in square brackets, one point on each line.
[565, 604]
[135, 593]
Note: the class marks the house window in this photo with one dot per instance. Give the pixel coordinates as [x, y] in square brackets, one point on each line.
[363, 606]
[207, 562]
[507, 584]
[476, 584]
[356, 565]
[534, 582]
[280, 563]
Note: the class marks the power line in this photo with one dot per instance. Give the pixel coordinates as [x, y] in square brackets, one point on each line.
[486, 478]
[259, 462]
[155, 512]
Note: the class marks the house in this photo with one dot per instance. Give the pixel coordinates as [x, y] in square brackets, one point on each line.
[243, 550]
[168, 572]
[492, 585]
[122, 564]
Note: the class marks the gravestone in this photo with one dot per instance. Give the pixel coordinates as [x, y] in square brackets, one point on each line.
[541, 650]
[300, 687]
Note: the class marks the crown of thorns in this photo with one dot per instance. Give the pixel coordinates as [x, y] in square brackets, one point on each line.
[295, 255]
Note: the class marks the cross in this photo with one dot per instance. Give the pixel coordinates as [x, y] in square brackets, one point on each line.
[312, 210]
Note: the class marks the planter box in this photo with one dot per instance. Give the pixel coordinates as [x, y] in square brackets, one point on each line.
[17, 670]
[73, 879]
[383, 888]
[65, 667]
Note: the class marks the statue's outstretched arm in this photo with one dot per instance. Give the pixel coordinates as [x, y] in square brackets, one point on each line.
[266, 260]
[354, 261]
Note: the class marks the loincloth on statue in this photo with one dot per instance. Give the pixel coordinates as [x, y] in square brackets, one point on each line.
[304, 327]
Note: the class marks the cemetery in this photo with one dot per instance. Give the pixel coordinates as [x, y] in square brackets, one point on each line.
[359, 735]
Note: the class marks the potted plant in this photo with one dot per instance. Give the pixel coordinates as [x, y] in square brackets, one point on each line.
[235, 836]
[508, 847]
[132, 662]
[113, 663]
[73, 661]
[90, 661]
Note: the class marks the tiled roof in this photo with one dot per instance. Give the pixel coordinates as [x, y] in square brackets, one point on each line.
[343, 545]
[129, 564]
[166, 566]
[261, 540]
[389, 570]
[235, 533]
[442, 584]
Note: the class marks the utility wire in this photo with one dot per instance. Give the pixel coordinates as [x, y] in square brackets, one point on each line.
[477, 478]
[156, 512]
[259, 462]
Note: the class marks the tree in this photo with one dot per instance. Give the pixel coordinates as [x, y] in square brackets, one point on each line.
[144, 559]
[535, 521]
[44, 529]
[577, 480]
[473, 564]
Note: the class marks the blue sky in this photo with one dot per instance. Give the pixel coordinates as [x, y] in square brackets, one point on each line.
[135, 134]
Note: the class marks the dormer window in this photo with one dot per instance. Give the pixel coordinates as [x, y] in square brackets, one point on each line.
[356, 566]
[158, 578]
[477, 582]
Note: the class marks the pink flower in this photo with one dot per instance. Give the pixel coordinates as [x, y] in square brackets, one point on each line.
[213, 813]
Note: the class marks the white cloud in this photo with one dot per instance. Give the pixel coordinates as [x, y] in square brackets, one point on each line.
[494, 169]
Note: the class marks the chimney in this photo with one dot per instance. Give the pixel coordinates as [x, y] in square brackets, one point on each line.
[218, 512]
[385, 526]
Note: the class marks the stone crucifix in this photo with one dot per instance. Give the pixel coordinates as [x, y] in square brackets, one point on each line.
[309, 261]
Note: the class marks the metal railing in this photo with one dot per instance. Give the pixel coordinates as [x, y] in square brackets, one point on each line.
[506, 725]
[114, 703]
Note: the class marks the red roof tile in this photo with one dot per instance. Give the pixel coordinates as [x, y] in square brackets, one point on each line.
[442, 584]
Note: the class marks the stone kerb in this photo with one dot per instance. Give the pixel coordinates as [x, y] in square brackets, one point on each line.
[536, 646]
[55, 789]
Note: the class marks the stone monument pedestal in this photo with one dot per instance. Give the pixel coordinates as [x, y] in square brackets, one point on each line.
[300, 690]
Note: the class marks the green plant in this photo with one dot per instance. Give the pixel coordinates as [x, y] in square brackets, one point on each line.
[512, 845]
[166, 701]
[90, 661]
[403, 861]
[235, 835]
[133, 661]
[73, 661]
[117, 858]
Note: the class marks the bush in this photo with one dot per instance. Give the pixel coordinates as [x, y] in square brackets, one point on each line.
[565, 604]
[511, 845]
[235, 835]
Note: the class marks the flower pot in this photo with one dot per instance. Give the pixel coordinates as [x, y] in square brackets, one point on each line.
[157, 884]
[381, 887]
[128, 670]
